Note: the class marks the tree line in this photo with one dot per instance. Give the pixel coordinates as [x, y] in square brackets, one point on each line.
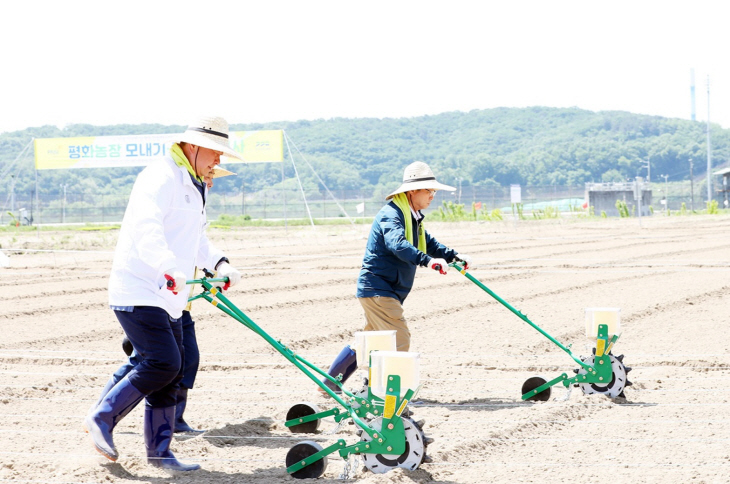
[490, 147]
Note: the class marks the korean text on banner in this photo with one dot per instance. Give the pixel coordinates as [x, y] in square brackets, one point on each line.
[258, 146]
[99, 151]
[139, 150]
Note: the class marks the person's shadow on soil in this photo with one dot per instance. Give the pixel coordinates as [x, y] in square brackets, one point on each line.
[255, 432]
[272, 474]
[475, 404]
[269, 474]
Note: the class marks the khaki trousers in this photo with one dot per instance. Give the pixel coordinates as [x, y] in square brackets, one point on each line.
[386, 314]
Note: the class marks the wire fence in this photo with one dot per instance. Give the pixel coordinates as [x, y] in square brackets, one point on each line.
[285, 203]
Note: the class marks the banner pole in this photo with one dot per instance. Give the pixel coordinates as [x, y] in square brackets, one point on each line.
[283, 195]
[37, 216]
[286, 139]
[37, 198]
[352, 222]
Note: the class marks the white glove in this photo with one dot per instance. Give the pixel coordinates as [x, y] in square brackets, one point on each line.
[439, 265]
[468, 264]
[176, 280]
[227, 270]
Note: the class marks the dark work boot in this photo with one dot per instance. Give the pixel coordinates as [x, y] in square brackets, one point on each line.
[345, 364]
[159, 425]
[180, 424]
[114, 406]
[109, 385]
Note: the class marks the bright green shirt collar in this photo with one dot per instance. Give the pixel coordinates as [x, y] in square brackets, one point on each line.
[401, 201]
[181, 160]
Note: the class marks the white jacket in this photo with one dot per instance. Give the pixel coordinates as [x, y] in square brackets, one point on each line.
[163, 229]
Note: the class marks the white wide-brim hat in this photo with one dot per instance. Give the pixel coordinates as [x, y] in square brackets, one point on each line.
[417, 176]
[209, 132]
[218, 172]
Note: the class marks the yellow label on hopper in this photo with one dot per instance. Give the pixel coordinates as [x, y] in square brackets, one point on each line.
[389, 409]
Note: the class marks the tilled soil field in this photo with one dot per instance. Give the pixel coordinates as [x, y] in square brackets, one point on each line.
[671, 278]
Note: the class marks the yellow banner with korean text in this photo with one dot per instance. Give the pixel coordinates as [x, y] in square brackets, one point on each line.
[264, 146]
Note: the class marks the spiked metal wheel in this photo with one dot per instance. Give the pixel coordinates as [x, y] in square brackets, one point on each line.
[414, 455]
[614, 388]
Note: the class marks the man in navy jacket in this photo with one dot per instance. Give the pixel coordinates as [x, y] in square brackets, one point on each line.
[398, 244]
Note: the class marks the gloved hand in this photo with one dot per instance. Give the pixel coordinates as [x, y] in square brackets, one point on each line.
[439, 265]
[176, 280]
[468, 264]
[227, 270]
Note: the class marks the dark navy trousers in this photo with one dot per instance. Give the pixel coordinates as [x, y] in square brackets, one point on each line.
[191, 357]
[158, 339]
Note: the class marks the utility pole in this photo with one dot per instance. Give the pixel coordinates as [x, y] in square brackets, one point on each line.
[63, 209]
[12, 193]
[638, 194]
[692, 94]
[691, 187]
[648, 170]
[709, 146]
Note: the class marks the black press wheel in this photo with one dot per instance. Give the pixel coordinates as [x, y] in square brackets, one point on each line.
[532, 383]
[301, 452]
[303, 409]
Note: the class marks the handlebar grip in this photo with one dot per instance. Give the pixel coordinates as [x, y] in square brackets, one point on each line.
[170, 283]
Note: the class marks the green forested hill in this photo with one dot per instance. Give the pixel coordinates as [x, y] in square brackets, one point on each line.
[530, 146]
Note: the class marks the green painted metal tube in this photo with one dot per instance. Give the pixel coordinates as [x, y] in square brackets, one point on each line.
[518, 313]
[315, 457]
[230, 309]
[310, 418]
[545, 386]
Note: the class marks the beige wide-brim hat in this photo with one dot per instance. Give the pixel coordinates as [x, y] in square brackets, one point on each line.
[209, 132]
[218, 172]
[417, 176]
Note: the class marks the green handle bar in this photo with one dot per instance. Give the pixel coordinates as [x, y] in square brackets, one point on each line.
[460, 268]
[217, 299]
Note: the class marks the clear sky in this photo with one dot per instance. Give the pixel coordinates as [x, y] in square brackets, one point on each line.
[165, 62]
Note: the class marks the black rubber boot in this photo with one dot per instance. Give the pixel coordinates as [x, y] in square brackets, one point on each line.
[114, 406]
[181, 426]
[109, 385]
[345, 364]
[159, 425]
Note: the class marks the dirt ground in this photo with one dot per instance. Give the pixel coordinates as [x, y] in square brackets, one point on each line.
[60, 342]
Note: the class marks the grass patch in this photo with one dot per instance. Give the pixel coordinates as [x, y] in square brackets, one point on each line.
[99, 228]
[227, 221]
[59, 228]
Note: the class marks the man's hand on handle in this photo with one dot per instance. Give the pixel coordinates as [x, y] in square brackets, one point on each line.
[439, 265]
[468, 264]
[227, 270]
[176, 280]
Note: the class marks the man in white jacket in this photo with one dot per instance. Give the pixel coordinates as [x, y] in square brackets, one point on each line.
[161, 241]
